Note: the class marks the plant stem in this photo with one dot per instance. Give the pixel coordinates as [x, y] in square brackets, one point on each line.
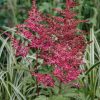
[60, 85]
[36, 70]
[37, 88]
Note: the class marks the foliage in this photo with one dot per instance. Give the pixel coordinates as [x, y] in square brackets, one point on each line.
[16, 82]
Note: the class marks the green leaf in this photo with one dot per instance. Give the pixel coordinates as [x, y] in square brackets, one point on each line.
[89, 70]
[70, 94]
[4, 41]
[58, 97]
[17, 91]
[98, 93]
[45, 7]
[56, 90]
[41, 98]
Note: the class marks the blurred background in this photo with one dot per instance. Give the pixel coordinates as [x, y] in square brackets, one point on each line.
[12, 72]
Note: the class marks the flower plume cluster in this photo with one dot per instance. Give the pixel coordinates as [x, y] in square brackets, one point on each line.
[56, 41]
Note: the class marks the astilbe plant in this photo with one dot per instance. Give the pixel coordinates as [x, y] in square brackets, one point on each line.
[56, 42]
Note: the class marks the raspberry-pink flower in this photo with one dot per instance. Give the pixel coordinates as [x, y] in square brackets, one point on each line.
[56, 41]
[44, 79]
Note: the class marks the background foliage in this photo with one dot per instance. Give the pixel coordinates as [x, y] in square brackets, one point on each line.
[15, 81]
